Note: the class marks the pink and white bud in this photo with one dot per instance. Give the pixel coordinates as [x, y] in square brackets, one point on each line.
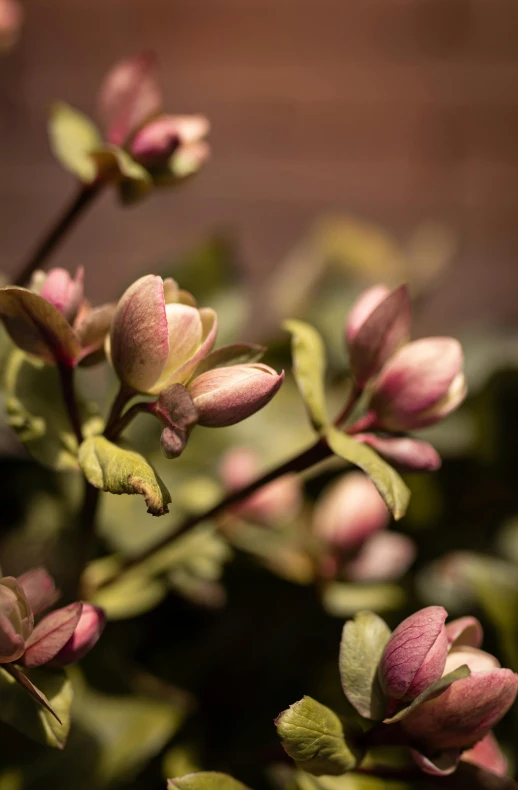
[379, 323]
[156, 340]
[487, 754]
[86, 634]
[403, 452]
[275, 504]
[11, 18]
[348, 512]
[155, 142]
[421, 384]
[16, 620]
[129, 96]
[385, 556]
[64, 292]
[415, 655]
[225, 396]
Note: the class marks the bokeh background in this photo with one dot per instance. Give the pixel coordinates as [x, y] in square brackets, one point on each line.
[396, 112]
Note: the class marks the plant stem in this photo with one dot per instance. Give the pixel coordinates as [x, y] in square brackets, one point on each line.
[82, 199]
[121, 399]
[118, 425]
[87, 519]
[307, 458]
[351, 402]
[66, 374]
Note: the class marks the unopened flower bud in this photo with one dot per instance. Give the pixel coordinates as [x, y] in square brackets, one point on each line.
[225, 396]
[87, 632]
[403, 452]
[274, 504]
[348, 512]
[421, 384]
[175, 409]
[385, 556]
[378, 324]
[11, 18]
[487, 754]
[156, 339]
[64, 292]
[156, 141]
[415, 655]
[16, 620]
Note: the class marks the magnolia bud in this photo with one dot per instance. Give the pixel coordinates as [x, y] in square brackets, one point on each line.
[16, 620]
[385, 556]
[379, 323]
[155, 142]
[421, 384]
[348, 512]
[86, 634]
[224, 396]
[274, 504]
[415, 655]
[156, 340]
[487, 754]
[403, 452]
[65, 293]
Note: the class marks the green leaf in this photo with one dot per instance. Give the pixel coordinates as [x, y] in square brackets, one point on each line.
[37, 327]
[134, 594]
[343, 599]
[73, 139]
[309, 365]
[205, 780]
[36, 411]
[363, 642]
[313, 736]
[120, 471]
[117, 165]
[20, 710]
[432, 691]
[390, 485]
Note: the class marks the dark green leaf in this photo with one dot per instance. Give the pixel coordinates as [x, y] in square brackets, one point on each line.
[432, 691]
[390, 485]
[120, 471]
[309, 365]
[73, 139]
[313, 736]
[363, 642]
[205, 780]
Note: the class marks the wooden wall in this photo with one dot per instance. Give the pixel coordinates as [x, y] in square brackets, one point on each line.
[396, 110]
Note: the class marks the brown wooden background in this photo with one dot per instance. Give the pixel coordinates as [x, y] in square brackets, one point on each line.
[396, 110]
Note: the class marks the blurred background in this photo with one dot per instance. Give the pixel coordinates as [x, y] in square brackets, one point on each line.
[396, 112]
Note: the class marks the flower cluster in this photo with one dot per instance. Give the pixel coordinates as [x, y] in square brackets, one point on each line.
[60, 638]
[411, 384]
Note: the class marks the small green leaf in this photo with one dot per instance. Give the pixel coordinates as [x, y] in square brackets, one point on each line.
[37, 327]
[309, 364]
[363, 642]
[432, 691]
[120, 471]
[21, 711]
[73, 139]
[345, 599]
[117, 165]
[390, 485]
[205, 780]
[313, 736]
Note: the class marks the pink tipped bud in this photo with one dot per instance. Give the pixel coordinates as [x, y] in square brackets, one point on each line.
[487, 754]
[415, 655]
[378, 325]
[39, 589]
[384, 557]
[421, 384]
[225, 396]
[348, 512]
[403, 452]
[87, 632]
[158, 139]
[274, 504]
[65, 293]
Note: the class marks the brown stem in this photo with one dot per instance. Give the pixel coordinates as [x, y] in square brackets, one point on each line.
[117, 426]
[86, 523]
[353, 399]
[65, 222]
[124, 395]
[66, 375]
[313, 455]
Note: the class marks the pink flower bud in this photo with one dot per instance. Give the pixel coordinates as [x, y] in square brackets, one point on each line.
[348, 512]
[155, 339]
[379, 323]
[175, 409]
[11, 18]
[487, 754]
[403, 452]
[16, 620]
[129, 96]
[65, 293]
[415, 655]
[87, 632]
[155, 142]
[39, 589]
[224, 396]
[421, 384]
[385, 556]
[274, 504]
